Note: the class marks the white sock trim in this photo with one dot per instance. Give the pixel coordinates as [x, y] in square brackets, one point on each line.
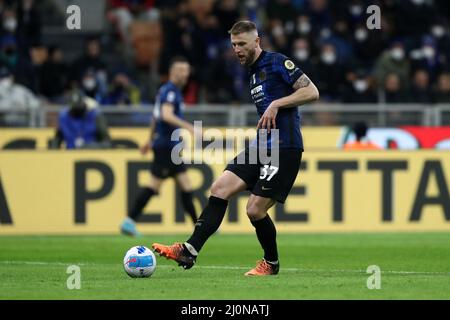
[191, 249]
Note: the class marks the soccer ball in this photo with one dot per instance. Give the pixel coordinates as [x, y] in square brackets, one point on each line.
[139, 262]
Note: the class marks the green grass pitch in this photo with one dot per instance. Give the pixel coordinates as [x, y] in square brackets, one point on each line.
[313, 266]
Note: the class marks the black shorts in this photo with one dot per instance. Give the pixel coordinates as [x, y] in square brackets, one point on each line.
[268, 181]
[163, 167]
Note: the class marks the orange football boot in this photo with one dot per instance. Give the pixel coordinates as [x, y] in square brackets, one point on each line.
[263, 268]
[175, 252]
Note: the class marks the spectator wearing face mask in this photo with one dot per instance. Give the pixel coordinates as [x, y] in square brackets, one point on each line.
[279, 37]
[421, 89]
[15, 97]
[394, 61]
[301, 52]
[340, 36]
[9, 22]
[440, 32]
[91, 86]
[330, 74]
[360, 90]
[91, 60]
[81, 125]
[18, 63]
[441, 92]
[427, 57]
[367, 45]
[303, 27]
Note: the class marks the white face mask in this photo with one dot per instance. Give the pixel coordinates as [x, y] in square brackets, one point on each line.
[277, 31]
[356, 10]
[89, 83]
[289, 26]
[361, 35]
[428, 52]
[438, 31]
[328, 57]
[397, 54]
[325, 33]
[360, 85]
[6, 83]
[301, 54]
[251, 4]
[10, 24]
[304, 27]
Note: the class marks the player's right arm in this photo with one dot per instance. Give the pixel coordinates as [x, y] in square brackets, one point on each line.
[168, 115]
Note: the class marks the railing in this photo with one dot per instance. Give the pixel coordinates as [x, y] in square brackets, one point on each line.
[379, 115]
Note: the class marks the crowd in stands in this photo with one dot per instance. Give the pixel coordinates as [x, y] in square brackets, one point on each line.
[407, 61]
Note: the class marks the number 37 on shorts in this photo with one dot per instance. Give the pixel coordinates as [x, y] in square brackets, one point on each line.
[267, 172]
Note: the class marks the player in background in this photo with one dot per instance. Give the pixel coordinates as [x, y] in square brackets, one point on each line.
[278, 87]
[361, 142]
[167, 116]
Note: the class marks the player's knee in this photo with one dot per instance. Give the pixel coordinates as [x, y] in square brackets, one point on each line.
[220, 190]
[255, 212]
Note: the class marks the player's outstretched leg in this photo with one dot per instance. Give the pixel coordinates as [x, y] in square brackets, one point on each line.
[207, 224]
[266, 233]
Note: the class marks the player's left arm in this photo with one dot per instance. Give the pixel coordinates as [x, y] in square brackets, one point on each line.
[146, 147]
[305, 91]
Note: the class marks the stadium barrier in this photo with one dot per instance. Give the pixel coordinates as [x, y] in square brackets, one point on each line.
[88, 192]
[318, 114]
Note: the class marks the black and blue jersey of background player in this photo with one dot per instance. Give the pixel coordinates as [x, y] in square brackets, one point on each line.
[170, 96]
[167, 117]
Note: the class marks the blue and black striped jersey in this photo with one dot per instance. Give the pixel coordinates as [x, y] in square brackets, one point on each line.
[168, 93]
[272, 76]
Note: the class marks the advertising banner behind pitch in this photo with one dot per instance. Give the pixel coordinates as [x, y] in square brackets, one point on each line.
[58, 192]
[40, 139]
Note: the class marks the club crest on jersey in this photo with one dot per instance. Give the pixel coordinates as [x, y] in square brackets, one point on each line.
[289, 64]
[262, 76]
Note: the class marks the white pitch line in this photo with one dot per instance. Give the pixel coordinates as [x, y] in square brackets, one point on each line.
[57, 263]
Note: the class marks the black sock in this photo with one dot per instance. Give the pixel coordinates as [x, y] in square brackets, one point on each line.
[208, 222]
[267, 236]
[140, 202]
[188, 204]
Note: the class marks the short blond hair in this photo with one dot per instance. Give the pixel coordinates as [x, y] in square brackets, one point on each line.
[243, 26]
